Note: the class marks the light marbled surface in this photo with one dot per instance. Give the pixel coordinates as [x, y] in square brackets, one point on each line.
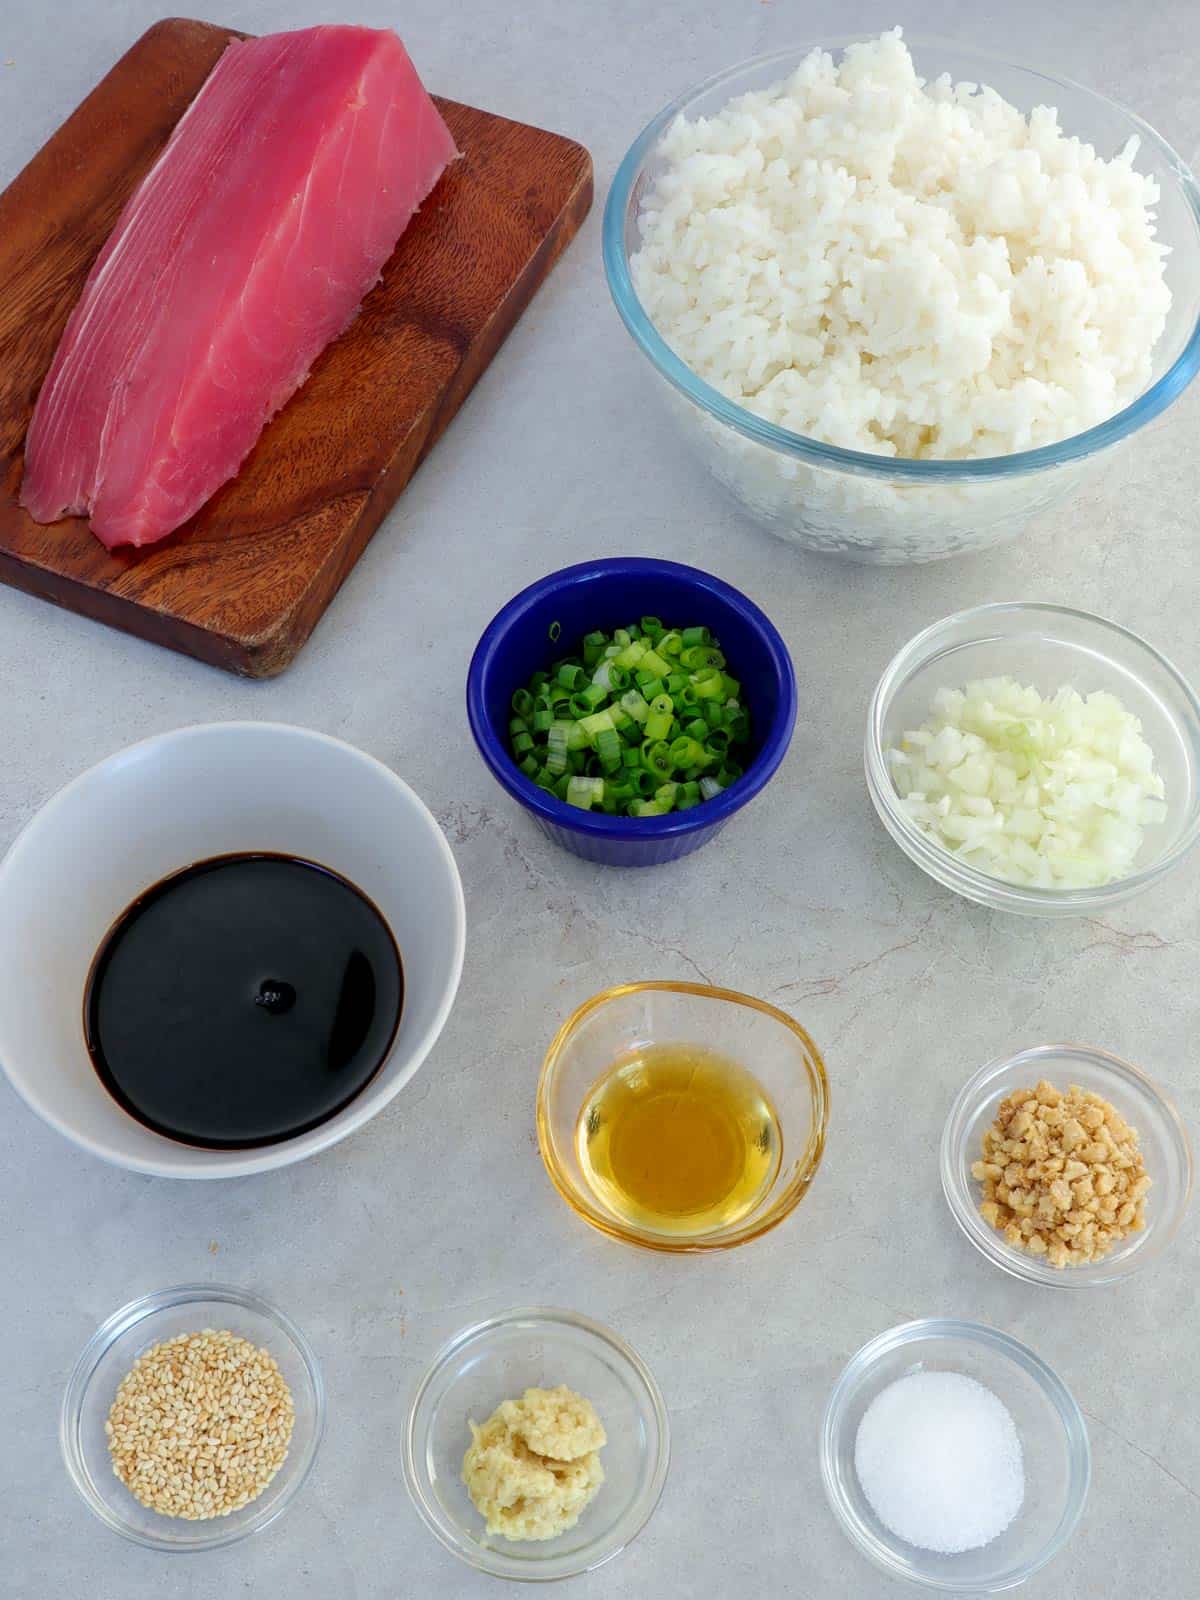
[440, 1212]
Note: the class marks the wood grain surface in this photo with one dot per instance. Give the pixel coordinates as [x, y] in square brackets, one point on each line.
[243, 584]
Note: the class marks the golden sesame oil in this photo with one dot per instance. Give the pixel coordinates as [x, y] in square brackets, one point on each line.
[678, 1139]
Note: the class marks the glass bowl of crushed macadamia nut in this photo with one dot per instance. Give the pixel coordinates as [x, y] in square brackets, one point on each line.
[1066, 1166]
[193, 1417]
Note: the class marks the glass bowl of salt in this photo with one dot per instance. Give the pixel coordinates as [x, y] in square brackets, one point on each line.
[954, 1457]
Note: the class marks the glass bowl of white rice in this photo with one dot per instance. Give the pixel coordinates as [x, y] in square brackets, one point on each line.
[1108, 728]
[898, 315]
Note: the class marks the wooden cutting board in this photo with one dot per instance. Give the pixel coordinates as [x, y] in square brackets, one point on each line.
[243, 584]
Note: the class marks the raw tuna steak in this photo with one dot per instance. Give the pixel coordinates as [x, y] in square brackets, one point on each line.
[244, 251]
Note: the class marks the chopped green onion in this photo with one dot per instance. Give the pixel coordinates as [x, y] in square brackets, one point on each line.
[686, 752]
[640, 722]
[701, 655]
[658, 724]
[653, 662]
[556, 758]
[707, 683]
[634, 705]
[555, 632]
[585, 792]
[658, 758]
[597, 722]
[608, 748]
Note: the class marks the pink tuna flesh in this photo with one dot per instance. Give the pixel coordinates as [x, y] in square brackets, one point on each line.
[246, 248]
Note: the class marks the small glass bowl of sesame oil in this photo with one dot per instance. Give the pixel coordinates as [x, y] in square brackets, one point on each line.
[678, 1116]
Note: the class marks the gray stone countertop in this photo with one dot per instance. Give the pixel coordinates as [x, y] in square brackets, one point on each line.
[439, 1211]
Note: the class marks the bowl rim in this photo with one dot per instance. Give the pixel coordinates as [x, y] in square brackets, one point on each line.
[375, 1095]
[644, 1507]
[122, 1321]
[862, 1362]
[1141, 410]
[493, 746]
[964, 1207]
[941, 864]
[758, 1223]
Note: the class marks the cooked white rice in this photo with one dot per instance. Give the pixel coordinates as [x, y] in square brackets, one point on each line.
[905, 268]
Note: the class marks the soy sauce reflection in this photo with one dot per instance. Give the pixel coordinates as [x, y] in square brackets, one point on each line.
[243, 1000]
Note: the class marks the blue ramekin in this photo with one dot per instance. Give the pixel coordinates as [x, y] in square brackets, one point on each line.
[605, 594]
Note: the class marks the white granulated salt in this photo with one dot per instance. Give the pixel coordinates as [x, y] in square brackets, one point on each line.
[939, 1460]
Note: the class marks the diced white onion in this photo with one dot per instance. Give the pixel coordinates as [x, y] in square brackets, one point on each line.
[1048, 793]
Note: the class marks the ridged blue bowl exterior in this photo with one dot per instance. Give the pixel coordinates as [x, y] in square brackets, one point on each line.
[628, 852]
[604, 594]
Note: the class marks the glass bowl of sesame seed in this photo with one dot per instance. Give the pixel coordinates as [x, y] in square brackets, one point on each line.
[192, 1418]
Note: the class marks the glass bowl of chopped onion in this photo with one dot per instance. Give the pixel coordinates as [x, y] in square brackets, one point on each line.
[1162, 1150]
[1052, 1472]
[1036, 759]
[742, 247]
[110, 1355]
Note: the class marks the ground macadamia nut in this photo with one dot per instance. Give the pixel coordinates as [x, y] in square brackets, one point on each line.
[1062, 1174]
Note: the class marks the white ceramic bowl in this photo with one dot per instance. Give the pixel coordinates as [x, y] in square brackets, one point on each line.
[182, 797]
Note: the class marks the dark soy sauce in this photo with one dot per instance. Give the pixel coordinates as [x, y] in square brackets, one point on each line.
[243, 1000]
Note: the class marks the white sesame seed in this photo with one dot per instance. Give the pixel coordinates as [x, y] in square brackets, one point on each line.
[200, 1424]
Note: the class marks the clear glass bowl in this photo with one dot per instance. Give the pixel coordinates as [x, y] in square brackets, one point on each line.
[1054, 1445]
[1047, 646]
[111, 1352]
[760, 1037]
[875, 508]
[498, 1360]
[1141, 1102]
